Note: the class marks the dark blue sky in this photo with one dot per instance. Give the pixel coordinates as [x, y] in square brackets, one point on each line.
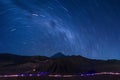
[90, 28]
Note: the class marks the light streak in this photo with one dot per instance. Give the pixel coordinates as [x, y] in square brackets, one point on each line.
[59, 75]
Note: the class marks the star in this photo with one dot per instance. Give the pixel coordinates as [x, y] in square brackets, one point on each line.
[35, 14]
[14, 29]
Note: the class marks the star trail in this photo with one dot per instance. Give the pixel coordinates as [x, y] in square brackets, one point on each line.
[75, 27]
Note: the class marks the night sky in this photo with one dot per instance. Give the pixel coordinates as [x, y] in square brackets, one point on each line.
[90, 28]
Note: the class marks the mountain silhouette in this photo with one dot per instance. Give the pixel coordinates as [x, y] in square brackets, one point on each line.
[58, 63]
[58, 55]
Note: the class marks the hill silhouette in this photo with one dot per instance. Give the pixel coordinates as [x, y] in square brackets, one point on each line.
[58, 63]
[58, 55]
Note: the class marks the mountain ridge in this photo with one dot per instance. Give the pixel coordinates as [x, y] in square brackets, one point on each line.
[60, 64]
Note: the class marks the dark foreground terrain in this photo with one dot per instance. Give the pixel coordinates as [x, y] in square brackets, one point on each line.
[11, 64]
[58, 64]
[102, 77]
